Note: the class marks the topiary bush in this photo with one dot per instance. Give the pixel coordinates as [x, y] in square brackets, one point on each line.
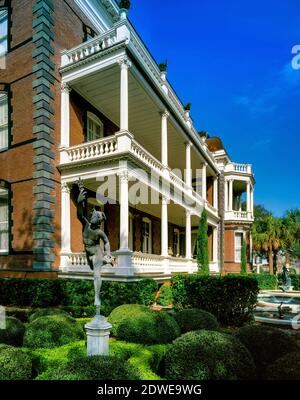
[52, 331]
[46, 312]
[265, 344]
[92, 368]
[231, 299]
[139, 324]
[204, 355]
[165, 297]
[285, 368]
[14, 364]
[13, 333]
[266, 281]
[194, 319]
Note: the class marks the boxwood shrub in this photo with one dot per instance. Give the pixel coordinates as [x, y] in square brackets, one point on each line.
[46, 312]
[206, 355]
[266, 344]
[230, 298]
[52, 331]
[14, 364]
[13, 333]
[92, 368]
[139, 324]
[194, 319]
[285, 368]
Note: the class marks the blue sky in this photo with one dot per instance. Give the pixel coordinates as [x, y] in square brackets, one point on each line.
[232, 60]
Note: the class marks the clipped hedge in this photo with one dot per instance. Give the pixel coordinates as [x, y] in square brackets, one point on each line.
[194, 319]
[266, 344]
[285, 368]
[52, 331]
[92, 368]
[139, 324]
[14, 364]
[266, 281]
[74, 293]
[230, 298]
[205, 355]
[13, 333]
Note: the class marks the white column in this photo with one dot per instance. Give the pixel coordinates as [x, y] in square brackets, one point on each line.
[124, 254]
[215, 245]
[125, 64]
[164, 226]
[226, 195]
[216, 192]
[204, 194]
[65, 116]
[188, 165]
[248, 197]
[164, 138]
[65, 224]
[252, 200]
[188, 235]
[124, 211]
[230, 194]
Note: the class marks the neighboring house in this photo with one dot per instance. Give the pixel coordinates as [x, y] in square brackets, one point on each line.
[82, 97]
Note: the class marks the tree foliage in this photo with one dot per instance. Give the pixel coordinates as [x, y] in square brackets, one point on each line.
[202, 245]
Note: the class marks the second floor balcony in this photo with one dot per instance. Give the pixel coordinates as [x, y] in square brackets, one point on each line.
[117, 105]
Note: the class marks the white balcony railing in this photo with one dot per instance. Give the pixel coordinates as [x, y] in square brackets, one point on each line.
[123, 143]
[239, 216]
[141, 263]
[239, 168]
[89, 48]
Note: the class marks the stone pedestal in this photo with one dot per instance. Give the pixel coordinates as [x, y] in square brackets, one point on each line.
[97, 332]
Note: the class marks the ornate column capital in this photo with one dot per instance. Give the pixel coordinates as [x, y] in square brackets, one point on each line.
[123, 176]
[188, 213]
[124, 62]
[65, 87]
[65, 188]
[164, 114]
[165, 199]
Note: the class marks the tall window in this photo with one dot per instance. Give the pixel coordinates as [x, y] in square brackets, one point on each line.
[238, 242]
[3, 31]
[4, 212]
[3, 120]
[95, 129]
[147, 235]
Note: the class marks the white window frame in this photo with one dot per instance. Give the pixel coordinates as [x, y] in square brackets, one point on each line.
[238, 259]
[4, 38]
[4, 122]
[148, 249]
[92, 118]
[4, 224]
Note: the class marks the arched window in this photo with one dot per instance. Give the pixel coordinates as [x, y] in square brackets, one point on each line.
[4, 219]
[95, 128]
[146, 235]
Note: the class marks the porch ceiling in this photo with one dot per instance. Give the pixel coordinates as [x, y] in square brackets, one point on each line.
[102, 90]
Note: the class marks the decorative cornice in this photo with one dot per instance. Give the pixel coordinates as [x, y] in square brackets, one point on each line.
[65, 87]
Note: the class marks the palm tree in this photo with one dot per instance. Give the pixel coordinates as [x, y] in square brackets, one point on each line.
[267, 237]
[291, 232]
